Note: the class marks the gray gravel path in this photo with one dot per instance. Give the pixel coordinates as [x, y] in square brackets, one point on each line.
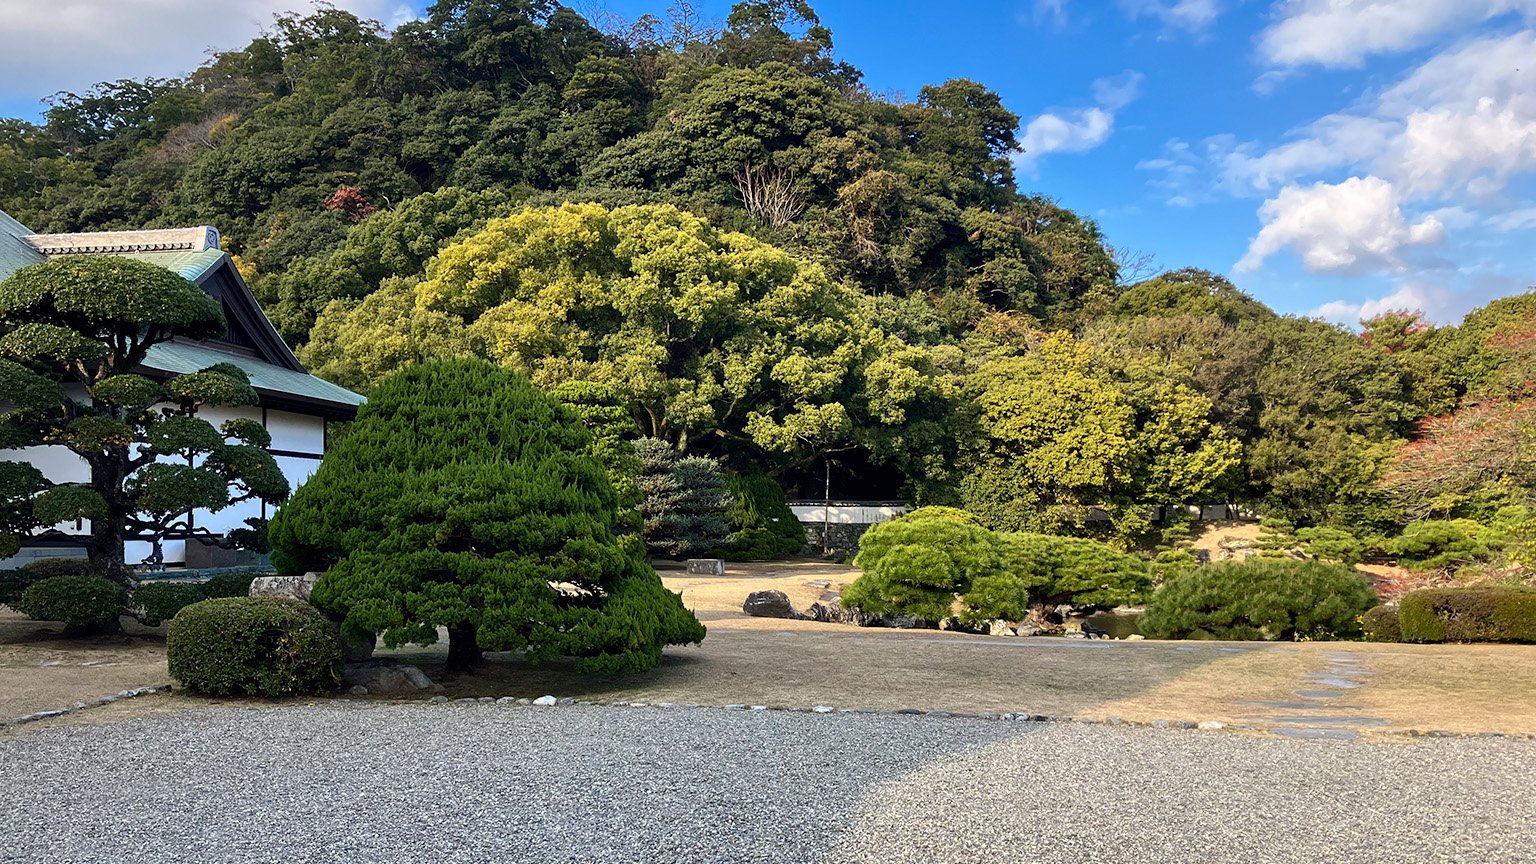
[388, 783]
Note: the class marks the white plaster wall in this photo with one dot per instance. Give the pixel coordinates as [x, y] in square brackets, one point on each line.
[290, 431]
[299, 433]
[845, 514]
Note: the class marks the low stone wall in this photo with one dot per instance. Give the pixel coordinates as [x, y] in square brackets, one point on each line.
[838, 538]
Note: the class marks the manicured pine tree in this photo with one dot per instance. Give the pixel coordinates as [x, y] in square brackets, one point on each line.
[465, 498]
[75, 329]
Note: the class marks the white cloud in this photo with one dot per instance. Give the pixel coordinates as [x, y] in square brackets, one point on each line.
[1193, 16]
[1437, 304]
[1342, 33]
[1475, 150]
[1077, 130]
[1452, 138]
[1351, 227]
[1523, 219]
[70, 44]
[1333, 142]
[1053, 12]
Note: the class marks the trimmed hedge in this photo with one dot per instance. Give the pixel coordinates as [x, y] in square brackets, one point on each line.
[14, 582]
[1491, 614]
[228, 585]
[160, 601]
[80, 601]
[1381, 625]
[1262, 598]
[253, 646]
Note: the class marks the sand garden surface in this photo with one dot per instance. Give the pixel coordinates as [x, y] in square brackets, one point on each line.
[1388, 689]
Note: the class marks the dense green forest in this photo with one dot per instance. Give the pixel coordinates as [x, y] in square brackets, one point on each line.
[761, 259]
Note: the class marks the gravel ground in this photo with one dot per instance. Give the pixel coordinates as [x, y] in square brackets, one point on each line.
[492, 783]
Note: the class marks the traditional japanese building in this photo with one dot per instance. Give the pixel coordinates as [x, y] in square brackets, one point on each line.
[296, 407]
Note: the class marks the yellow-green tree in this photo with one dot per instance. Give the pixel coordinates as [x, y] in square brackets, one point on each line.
[1063, 428]
[708, 335]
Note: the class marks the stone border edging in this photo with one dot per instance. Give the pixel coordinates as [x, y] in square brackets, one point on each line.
[1004, 716]
[134, 693]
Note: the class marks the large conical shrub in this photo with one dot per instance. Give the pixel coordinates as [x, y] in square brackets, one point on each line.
[463, 498]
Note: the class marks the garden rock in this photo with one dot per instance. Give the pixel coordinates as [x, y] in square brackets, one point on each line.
[296, 587]
[358, 649]
[769, 604]
[386, 678]
[832, 612]
[705, 567]
[999, 628]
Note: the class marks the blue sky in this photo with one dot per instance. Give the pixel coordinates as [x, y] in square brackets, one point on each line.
[1334, 157]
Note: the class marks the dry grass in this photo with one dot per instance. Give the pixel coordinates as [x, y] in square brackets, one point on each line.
[800, 663]
[40, 671]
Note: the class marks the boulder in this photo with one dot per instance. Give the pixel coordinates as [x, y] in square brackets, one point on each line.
[705, 567]
[769, 604]
[296, 587]
[387, 678]
[999, 628]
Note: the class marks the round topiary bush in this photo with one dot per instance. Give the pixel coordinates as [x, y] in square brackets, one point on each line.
[14, 582]
[1263, 598]
[1381, 624]
[160, 601]
[253, 646]
[82, 602]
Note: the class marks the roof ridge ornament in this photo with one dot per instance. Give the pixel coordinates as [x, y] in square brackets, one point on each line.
[198, 239]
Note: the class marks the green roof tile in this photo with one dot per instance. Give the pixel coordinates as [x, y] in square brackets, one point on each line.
[14, 251]
[191, 265]
[178, 357]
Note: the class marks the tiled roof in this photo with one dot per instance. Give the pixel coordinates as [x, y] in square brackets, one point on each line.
[190, 264]
[120, 242]
[178, 357]
[15, 253]
[193, 253]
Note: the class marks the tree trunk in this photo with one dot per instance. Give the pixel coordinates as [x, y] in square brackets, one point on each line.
[463, 651]
[105, 550]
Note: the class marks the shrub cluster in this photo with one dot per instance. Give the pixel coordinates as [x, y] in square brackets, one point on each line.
[1491, 614]
[917, 565]
[14, 582]
[253, 646]
[81, 601]
[78, 607]
[1262, 598]
[1380, 624]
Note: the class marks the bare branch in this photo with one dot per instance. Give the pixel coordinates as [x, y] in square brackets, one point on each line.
[769, 195]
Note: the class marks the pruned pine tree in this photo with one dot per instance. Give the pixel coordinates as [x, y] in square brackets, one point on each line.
[465, 498]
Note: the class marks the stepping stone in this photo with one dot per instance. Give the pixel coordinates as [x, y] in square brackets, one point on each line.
[1318, 720]
[1333, 680]
[1318, 694]
[1283, 704]
[1325, 734]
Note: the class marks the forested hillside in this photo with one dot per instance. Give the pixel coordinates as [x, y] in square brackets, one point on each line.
[761, 259]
